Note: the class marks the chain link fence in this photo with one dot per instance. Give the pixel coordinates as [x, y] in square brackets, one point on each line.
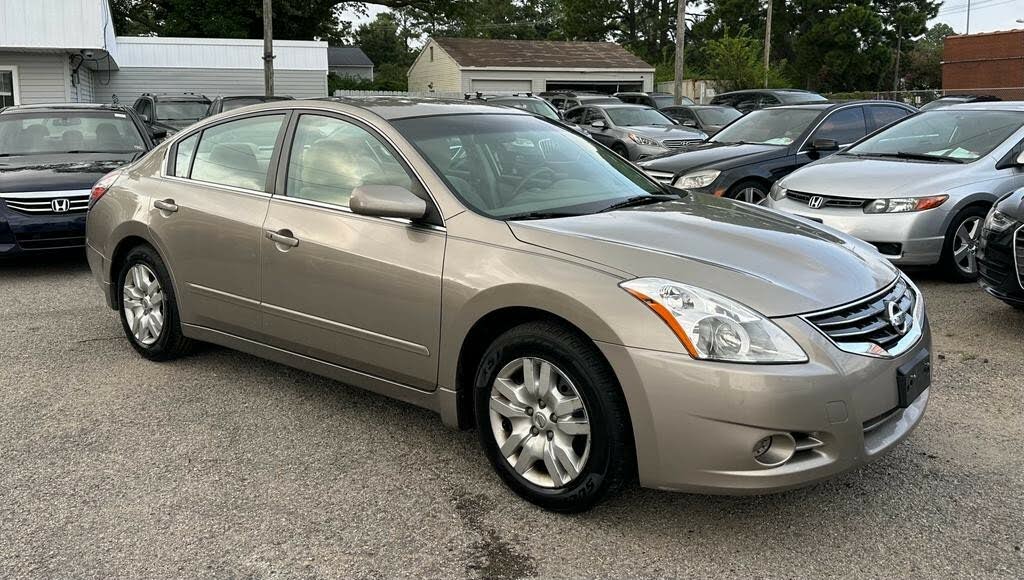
[918, 98]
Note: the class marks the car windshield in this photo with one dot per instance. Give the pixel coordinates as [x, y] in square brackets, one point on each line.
[182, 110]
[718, 116]
[944, 134]
[768, 127]
[39, 133]
[636, 117]
[510, 166]
[536, 107]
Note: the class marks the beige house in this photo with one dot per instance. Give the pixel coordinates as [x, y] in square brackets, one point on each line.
[465, 65]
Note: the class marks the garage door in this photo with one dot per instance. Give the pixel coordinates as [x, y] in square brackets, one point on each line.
[500, 85]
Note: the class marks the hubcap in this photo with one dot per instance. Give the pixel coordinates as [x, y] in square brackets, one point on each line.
[965, 245]
[143, 304]
[539, 422]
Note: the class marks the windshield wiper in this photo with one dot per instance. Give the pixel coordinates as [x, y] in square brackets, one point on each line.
[539, 215]
[640, 200]
[918, 157]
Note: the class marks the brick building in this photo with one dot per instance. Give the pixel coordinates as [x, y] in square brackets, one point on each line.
[990, 63]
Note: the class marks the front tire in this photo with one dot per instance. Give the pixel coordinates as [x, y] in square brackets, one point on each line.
[958, 260]
[149, 309]
[749, 191]
[621, 150]
[552, 418]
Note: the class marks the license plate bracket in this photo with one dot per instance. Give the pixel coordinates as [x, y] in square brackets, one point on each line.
[913, 378]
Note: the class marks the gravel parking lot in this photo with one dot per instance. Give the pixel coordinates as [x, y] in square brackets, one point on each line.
[222, 464]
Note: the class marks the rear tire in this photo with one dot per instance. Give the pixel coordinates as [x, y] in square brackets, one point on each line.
[958, 262]
[148, 306]
[558, 434]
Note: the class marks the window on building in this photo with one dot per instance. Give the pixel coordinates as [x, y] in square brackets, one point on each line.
[431, 54]
[8, 96]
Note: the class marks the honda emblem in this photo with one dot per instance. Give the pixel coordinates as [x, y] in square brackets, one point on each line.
[815, 202]
[60, 205]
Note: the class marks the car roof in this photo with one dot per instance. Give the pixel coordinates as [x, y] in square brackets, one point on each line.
[987, 106]
[66, 107]
[745, 91]
[392, 108]
[620, 106]
[159, 97]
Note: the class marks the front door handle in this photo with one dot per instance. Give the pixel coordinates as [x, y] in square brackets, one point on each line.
[283, 237]
[167, 205]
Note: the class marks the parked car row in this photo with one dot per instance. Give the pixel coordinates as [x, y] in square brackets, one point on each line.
[172, 112]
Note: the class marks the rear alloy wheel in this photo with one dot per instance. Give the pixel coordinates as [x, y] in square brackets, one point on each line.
[959, 255]
[552, 417]
[149, 309]
[748, 191]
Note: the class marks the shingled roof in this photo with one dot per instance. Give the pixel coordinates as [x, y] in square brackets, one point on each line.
[486, 52]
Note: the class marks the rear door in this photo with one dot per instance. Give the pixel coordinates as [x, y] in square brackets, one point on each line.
[358, 291]
[208, 219]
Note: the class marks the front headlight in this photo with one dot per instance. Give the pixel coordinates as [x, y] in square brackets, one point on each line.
[777, 192]
[698, 179]
[997, 221]
[641, 140]
[905, 204]
[713, 327]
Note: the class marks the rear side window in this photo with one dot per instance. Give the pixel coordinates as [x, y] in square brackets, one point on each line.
[883, 116]
[183, 155]
[237, 153]
[843, 126]
[330, 157]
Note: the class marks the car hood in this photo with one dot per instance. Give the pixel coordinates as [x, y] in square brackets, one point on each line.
[849, 176]
[672, 132]
[774, 263]
[716, 154]
[1013, 205]
[57, 172]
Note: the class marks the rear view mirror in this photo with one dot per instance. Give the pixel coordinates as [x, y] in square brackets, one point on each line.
[387, 201]
[825, 145]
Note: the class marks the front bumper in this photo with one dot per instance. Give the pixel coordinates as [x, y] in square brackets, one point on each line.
[20, 233]
[639, 152]
[1001, 264]
[696, 423]
[906, 239]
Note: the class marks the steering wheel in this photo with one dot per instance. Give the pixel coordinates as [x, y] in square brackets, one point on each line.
[533, 175]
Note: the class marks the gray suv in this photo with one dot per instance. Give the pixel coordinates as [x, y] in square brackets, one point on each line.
[919, 189]
[633, 131]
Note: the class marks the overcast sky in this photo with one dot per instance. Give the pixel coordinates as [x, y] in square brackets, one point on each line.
[986, 15]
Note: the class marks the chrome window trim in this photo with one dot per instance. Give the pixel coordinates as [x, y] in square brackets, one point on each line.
[871, 349]
[348, 210]
[221, 186]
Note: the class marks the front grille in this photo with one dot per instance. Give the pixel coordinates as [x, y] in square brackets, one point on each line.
[827, 201]
[678, 143]
[1018, 255]
[867, 321]
[662, 176]
[48, 203]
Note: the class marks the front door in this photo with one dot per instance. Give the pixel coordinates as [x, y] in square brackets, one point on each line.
[208, 215]
[357, 291]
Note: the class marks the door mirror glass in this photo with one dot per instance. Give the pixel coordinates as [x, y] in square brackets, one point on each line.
[387, 201]
[825, 145]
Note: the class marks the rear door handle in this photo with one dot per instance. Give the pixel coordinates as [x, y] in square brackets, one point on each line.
[283, 237]
[167, 205]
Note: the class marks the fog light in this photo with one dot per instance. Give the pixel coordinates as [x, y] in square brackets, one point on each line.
[774, 450]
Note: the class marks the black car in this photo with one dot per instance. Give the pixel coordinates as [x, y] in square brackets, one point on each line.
[708, 118]
[652, 99]
[743, 160]
[171, 113]
[50, 158]
[222, 104]
[754, 99]
[958, 100]
[1001, 250]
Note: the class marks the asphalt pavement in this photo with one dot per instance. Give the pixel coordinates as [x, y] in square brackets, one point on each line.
[225, 465]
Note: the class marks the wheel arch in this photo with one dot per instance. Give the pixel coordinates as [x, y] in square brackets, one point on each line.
[129, 240]
[978, 199]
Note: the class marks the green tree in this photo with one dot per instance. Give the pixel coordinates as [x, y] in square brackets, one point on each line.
[735, 62]
[923, 68]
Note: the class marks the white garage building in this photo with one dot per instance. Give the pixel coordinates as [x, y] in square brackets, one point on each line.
[464, 65]
[67, 51]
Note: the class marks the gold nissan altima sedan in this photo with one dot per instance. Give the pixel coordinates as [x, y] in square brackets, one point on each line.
[592, 324]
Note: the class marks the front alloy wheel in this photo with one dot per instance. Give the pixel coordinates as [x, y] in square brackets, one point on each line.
[539, 422]
[965, 246]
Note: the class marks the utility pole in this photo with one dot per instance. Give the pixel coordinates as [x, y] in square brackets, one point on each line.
[268, 48]
[680, 48]
[767, 42]
[896, 75]
[968, 17]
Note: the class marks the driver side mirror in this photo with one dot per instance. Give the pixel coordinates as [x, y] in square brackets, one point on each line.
[158, 134]
[689, 123]
[145, 118]
[598, 124]
[825, 145]
[387, 201]
[1019, 160]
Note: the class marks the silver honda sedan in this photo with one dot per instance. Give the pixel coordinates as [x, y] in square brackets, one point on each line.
[918, 190]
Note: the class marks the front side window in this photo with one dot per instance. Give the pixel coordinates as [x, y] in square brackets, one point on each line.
[636, 117]
[843, 126]
[768, 127]
[883, 116]
[41, 133]
[575, 115]
[330, 157]
[237, 153]
[505, 166]
[943, 135]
